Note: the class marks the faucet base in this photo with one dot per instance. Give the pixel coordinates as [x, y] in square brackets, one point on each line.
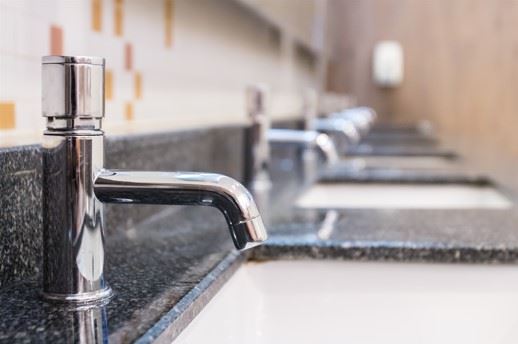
[81, 298]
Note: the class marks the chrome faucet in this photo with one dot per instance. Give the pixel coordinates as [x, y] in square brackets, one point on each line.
[75, 184]
[263, 135]
[310, 139]
[340, 127]
[362, 117]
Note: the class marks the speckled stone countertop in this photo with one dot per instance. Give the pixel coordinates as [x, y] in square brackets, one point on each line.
[469, 236]
[151, 270]
[393, 175]
[165, 270]
[367, 149]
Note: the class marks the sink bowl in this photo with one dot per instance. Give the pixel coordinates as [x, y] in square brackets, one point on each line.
[361, 302]
[402, 196]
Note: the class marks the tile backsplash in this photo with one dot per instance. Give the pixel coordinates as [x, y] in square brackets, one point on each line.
[169, 64]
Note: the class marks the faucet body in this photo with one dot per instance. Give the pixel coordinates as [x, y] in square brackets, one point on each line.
[73, 233]
[76, 184]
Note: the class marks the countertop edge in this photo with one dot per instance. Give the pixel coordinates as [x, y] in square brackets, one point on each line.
[179, 317]
[372, 251]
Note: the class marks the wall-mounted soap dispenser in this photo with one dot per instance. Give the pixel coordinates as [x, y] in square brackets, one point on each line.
[388, 64]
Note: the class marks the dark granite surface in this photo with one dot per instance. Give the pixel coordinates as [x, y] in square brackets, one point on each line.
[150, 270]
[449, 235]
[20, 213]
[365, 149]
[164, 270]
[394, 129]
[469, 236]
[391, 137]
[339, 174]
[415, 140]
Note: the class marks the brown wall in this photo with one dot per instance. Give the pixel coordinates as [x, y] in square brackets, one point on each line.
[461, 69]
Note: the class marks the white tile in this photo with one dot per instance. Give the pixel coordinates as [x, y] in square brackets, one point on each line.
[7, 30]
[32, 36]
[10, 79]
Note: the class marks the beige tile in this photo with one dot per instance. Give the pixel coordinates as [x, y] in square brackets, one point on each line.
[108, 84]
[118, 17]
[56, 40]
[138, 85]
[97, 9]
[128, 111]
[168, 22]
[7, 115]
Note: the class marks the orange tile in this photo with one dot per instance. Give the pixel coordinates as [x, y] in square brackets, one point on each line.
[128, 111]
[97, 7]
[128, 56]
[168, 22]
[118, 16]
[56, 40]
[138, 85]
[7, 112]
[108, 84]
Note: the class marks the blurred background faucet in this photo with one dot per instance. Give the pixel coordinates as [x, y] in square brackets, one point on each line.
[347, 126]
[362, 117]
[75, 184]
[261, 135]
[344, 130]
[257, 149]
[308, 138]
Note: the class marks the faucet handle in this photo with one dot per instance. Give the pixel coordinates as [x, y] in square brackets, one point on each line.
[256, 98]
[73, 92]
[310, 107]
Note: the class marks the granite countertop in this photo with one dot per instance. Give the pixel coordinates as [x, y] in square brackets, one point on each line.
[367, 149]
[151, 270]
[166, 269]
[393, 175]
[468, 236]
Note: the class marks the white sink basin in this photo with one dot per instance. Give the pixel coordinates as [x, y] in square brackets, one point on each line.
[352, 302]
[402, 196]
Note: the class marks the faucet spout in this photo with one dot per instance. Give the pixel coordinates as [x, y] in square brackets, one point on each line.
[187, 188]
[308, 138]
